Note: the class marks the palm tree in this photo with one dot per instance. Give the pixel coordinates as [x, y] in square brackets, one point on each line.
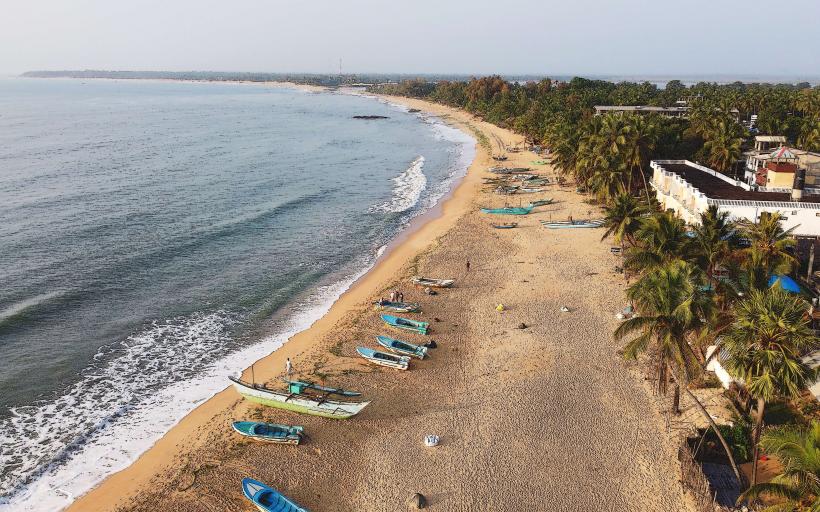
[660, 238]
[641, 137]
[714, 241]
[672, 306]
[770, 250]
[798, 450]
[723, 143]
[623, 218]
[763, 348]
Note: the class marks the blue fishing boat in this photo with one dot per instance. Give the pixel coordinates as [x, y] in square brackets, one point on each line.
[267, 499]
[269, 432]
[509, 210]
[406, 324]
[402, 347]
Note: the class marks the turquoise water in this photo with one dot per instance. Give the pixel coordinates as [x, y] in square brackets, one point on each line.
[157, 236]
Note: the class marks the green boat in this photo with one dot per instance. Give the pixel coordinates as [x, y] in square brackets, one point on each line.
[540, 202]
[509, 210]
[269, 432]
[297, 400]
[402, 347]
[406, 324]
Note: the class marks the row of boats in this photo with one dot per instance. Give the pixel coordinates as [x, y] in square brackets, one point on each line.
[306, 397]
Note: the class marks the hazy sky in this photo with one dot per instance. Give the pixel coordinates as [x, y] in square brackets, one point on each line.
[658, 37]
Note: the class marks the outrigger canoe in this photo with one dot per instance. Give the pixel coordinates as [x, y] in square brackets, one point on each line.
[509, 210]
[384, 359]
[576, 224]
[406, 324]
[297, 400]
[399, 307]
[267, 499]
[269, 432]
[432, 283]
[402, 347]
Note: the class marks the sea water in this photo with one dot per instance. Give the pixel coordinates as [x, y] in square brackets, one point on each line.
[156, 237]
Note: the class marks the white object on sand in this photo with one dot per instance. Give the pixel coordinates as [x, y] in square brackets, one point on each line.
[431, 440]
[564, 309]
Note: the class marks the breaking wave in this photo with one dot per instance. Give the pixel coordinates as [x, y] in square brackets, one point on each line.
[407, 189]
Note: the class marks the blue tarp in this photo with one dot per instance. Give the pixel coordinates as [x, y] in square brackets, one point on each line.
[786, 282]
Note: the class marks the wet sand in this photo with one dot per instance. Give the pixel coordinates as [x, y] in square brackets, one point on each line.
[542, 418]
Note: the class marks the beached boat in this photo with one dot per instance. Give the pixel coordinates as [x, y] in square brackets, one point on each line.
[295, 399]
[509, 210]
[399, 307]
[406, 324]
[508, 225]
[530, 190]
[402, 347]
[540, 202]
[574, 224]
[267, 499]
[384, 359]
[269, 432]
[432, 283]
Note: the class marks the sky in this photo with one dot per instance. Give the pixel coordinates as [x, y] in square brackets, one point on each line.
[549, 37]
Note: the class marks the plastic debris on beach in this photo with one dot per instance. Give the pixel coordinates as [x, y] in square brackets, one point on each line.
[431, 440]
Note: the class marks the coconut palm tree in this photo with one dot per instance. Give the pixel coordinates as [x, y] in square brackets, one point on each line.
[798, 450]
[722, 146]
[763, 347]
[641, 137]
[660, 238]
[623, 218]
[770, 249]
[715, 239]
[671, 306]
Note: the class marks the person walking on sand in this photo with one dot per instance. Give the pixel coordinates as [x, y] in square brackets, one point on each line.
[393, 296]
[468, 266]
[288, 367]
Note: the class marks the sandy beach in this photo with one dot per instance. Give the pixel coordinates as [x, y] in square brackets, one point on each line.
[547, 417]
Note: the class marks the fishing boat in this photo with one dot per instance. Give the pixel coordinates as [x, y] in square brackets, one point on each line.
[269, 432]
[399, 307]
[508, 225]
[406, 324]
[509, 210]
[298, 386]
[384, 359]
[402, 347]
[296, 399]
[540, 202]
[432, 283]
[574, 224]
[530, 190]
[267, 499]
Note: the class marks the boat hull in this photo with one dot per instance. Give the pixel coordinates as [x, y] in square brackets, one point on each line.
[402, 347]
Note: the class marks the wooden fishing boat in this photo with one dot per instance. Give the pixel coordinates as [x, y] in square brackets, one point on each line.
[540, 202]
[509, 210]
[402, 347]
[297, 400]
[406, 324]
[267, 499]
[399, 307]
[269, 432]
[384, 359]
[508, 225]
[298, 386]
[432, 283]
[575, 224]
[530, 190]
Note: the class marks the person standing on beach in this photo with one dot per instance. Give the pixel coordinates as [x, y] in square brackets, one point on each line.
[468, 266]
[288, 367]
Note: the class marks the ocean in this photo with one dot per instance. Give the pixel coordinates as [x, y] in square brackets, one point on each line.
[156, 237]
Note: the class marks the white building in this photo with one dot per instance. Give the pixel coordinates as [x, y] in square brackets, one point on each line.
[689, 189]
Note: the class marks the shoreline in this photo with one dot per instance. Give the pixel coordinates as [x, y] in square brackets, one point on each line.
[411, 240]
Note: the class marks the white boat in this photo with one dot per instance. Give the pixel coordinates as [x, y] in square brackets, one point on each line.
[432, 283]
[298, 401]
[384, 359]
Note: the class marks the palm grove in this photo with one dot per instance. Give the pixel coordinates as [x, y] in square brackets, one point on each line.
[696, 285]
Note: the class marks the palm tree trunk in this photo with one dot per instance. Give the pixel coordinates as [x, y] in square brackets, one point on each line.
[645, 187]
[761, 406]
[676, 400]
[712, 423]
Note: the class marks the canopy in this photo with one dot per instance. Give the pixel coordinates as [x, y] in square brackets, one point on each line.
[786, 283]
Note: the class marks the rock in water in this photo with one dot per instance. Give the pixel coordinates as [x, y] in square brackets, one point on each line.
[417, 502]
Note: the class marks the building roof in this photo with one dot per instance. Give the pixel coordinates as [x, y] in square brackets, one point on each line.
[716, 188]
[782, 153]
[770, 138]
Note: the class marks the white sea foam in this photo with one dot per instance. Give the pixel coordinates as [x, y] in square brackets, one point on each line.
[407, 189]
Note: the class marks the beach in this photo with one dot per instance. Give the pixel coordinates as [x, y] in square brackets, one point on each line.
[535, 408]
